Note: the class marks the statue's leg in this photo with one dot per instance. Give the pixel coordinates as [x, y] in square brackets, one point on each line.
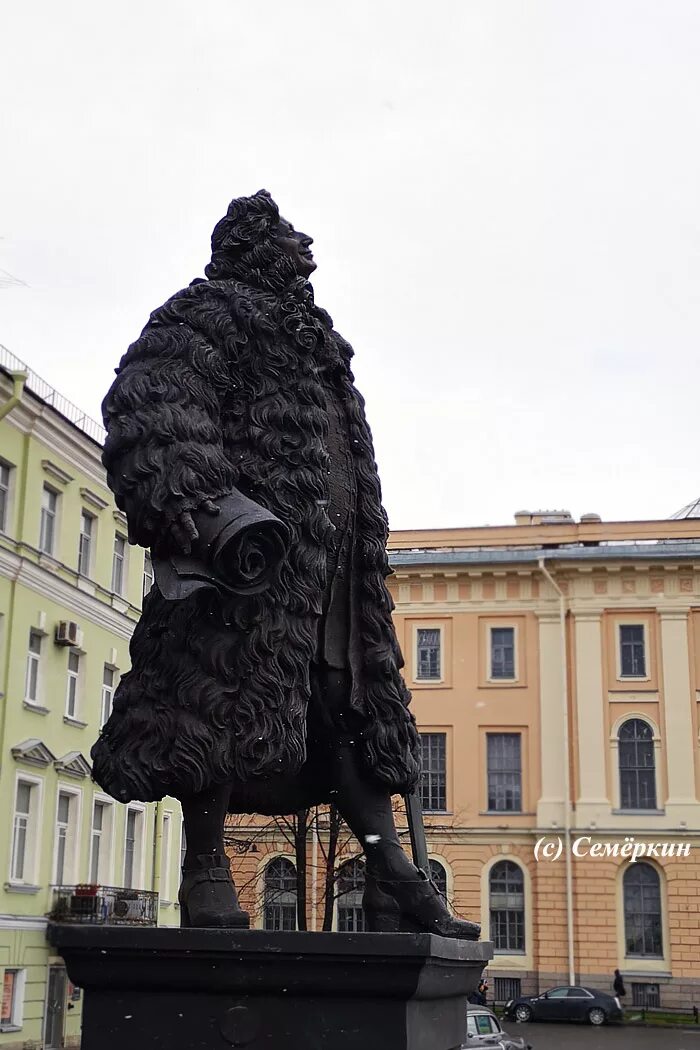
[397, 894]
[207, 893]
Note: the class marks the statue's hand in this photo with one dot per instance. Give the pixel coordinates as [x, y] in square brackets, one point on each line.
[183, 530]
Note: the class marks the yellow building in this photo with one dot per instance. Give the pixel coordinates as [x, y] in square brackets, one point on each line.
[555, 672]
[70, 594]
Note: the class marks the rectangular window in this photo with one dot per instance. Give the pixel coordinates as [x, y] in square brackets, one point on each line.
[428, 656]
[24, 832]
[504, 772]
[646, 995]
[32, 680]
[108, 686]
[4, 497]
[73, 684]
[183, 843]
[118, 561]
[12, 999]
[132, 848]
[632, 651]
[64, 848]
[165, 858]
[49, 510]
[87, 531]
[100, 842]
[502, 652]
[147, 572]
[506, 988]
[434, 775]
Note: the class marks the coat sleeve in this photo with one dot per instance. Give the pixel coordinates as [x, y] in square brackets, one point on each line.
[164, 450]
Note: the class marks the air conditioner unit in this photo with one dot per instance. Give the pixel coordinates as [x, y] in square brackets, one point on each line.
[127, 909]
[68, 633]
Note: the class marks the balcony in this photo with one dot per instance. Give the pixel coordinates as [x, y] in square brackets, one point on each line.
[104, 906]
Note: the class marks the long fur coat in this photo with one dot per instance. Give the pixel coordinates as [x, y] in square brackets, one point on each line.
[222, 391]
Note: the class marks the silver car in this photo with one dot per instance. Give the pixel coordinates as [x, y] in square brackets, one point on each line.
[484, 1029]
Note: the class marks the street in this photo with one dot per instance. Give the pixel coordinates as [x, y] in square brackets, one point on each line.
[613, 1037]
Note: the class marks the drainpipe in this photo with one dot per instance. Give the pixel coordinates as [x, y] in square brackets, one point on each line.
[567, 770]
[18, 381]
[157, 848]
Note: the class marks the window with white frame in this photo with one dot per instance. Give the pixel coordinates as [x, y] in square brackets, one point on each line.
[502, 653]
[49, 513]
[118, 564]
[65, 843]
[433, 784]
[24, 831]
[11, 1017]
[165, 857]
[504, 772]
[633, 660]
[641, 887]
[428, 654]
[133, 844]
[108, 687]
[147, 572]
[507, 907]
[5, 471]
[73, 684]
[86, 543]
[32, 682]
[351, 885]
[280, 895]
[637, 766]
[100, 841]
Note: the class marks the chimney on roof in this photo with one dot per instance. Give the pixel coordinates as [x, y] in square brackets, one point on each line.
[543, 517]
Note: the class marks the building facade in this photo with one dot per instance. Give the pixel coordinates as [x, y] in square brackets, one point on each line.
[70, 594]
[555, 672]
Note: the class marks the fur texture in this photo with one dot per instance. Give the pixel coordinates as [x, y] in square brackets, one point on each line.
[222, 391]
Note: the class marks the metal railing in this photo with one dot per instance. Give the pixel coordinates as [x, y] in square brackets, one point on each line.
[104, 906]
[47, 393]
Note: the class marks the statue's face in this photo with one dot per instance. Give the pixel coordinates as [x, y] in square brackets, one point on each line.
[297, 246]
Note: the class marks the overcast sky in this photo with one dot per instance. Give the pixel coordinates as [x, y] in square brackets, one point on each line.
[503, 196]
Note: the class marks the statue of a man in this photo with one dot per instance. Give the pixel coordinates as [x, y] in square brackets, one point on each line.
[265, 668]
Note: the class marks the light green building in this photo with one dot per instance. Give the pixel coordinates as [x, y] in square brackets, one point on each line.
[70, 595]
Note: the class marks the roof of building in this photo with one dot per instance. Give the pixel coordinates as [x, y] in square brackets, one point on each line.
[650, 552]
[10, 363]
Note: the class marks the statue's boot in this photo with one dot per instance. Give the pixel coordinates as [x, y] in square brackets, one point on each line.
[398, 896]
[407, 901]
[207, 893]
[208, 896]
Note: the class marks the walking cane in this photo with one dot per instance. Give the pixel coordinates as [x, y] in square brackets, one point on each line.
[416, 829]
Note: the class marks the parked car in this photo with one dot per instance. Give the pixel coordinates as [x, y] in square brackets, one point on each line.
[484, 1029]
[566, 1003]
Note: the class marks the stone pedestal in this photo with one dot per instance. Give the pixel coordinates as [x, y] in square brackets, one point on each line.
[207, 989]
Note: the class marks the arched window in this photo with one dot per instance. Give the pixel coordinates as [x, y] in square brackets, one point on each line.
[439, 876]
[507, 907]
[280, 895]
[351, 884]
[636, 760]
[641, 888]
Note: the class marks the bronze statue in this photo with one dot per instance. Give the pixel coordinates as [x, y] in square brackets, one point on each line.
[265, 668]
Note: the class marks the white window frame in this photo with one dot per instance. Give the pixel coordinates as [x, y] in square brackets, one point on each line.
[107, 691]
[427, 626]
[74, 682]
[48, 514]
[34, 659]
[17, 1004]
[492, 680]
[86, 543]
[106, 839]
[140, 831]
[72, 839]
[121, 562]
[6, 488]
[165, 853]
[148, 574]
[631, 622]
[32, 848]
